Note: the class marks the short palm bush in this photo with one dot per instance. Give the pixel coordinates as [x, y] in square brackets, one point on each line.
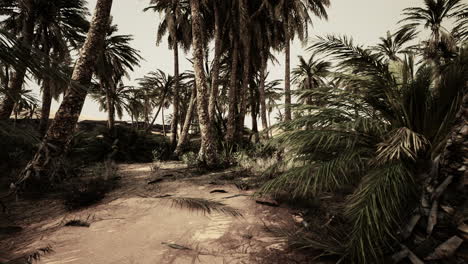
[371, 132]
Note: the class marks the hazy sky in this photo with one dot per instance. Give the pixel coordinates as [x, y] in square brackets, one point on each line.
[364, 20]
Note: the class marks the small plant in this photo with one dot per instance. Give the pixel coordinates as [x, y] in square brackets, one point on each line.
[190, 158]
[89, 190]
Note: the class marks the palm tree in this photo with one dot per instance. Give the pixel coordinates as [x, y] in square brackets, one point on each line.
[176, 22]
[23, 22]
[296, 18]
[59, 25]
[119, 98]
[184, 135]
[133, 104]
[161, 90]
[393, 45]
[432, 16]
[273, 94]
[310, 75]
[66, 118]
[208, 155]
[114, 62]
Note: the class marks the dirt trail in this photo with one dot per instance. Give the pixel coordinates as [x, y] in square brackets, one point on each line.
[132, 227]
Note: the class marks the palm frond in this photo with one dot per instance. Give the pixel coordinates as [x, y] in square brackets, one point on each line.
[203, 205]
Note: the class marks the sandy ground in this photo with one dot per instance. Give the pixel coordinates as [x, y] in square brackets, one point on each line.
[131, 226]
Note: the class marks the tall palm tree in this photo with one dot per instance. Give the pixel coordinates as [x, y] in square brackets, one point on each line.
[133, 104]
[432, 16]
[176, 22]
[393, 45]
[295, 17]
[310, 75]
[55, 26]
[273, 94]
[60, 25]
[22, 22]
[114, 62]
[184, 135]
[119, 99]
[208, 154]
[161, 87]
[66, 118]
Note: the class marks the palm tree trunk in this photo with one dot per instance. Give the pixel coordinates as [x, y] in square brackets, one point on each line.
[261, 91]
[161, 107]
[163, 122]
[188, 121]
[175, 115]
[208, 155]
[17, 78]
[46, 95]
[246, 39]
[232, 112]
[46, 105]
[110, 109]
[66, 118]
[287, 64]
[253, 111]
[216, 65]
[244, 87]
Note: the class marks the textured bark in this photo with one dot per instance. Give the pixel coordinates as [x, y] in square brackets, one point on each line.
[246, 45]
[46, 95]
[175, 114]
[66, 118]
[46, 105]
[287, 68]
[261, 92]
[216, 65]
[208, 155]
[184, 136]
[254, 110]
[17, 76]
[110, 108]
[232, 111]
[163, 122]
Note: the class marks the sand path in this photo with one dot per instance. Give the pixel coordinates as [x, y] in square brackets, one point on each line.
[131, 226]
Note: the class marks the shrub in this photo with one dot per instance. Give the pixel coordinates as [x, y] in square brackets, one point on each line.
[18, 144]
[91, 186]
[190, 159]
[127, 145]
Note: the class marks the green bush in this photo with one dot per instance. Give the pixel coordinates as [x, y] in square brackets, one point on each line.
[190, 159]
[126, 145]
[18, 145]
[91, 186]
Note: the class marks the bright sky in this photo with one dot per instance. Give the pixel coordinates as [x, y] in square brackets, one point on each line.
[364, 20]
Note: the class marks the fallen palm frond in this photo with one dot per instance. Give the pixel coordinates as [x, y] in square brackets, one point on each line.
[38, 254]
[203, 205]
[330, 245]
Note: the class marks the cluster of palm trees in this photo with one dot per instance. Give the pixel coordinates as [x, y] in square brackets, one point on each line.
[361, 113]
[237, 72]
